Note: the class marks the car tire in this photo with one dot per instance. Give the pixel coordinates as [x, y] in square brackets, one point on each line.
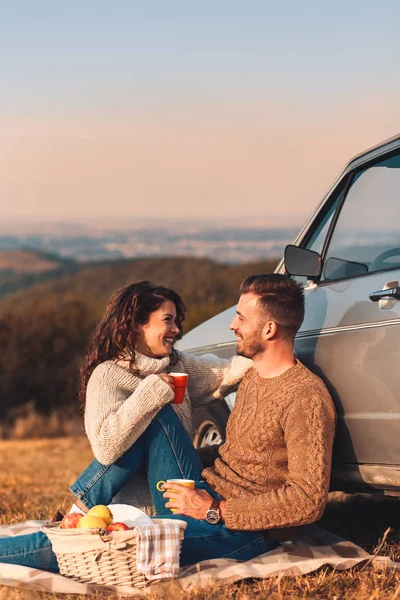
[209, 423]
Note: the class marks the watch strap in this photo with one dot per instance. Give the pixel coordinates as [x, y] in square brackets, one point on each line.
[215, 504]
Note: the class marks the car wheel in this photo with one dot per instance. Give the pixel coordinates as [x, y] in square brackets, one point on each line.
[209, 423]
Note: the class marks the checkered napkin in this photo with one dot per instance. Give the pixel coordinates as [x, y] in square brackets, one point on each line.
[158, 549]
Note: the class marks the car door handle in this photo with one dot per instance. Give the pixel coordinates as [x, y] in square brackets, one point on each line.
[391, 293]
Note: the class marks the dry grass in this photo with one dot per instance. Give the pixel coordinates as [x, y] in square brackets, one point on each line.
[34, 479]
[27, 423]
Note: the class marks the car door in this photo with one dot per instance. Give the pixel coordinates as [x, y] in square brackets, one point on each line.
[351, 341]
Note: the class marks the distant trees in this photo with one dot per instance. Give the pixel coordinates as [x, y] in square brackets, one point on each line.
[45, 330]
[42, 347]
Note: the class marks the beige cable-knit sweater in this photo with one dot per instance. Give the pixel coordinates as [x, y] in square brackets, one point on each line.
[121, 405]
[274, 468]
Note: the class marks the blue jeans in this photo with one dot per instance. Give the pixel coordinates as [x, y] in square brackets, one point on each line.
[167, 452]
[31, 550]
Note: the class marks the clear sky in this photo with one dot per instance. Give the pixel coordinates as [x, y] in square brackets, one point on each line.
[194, 108]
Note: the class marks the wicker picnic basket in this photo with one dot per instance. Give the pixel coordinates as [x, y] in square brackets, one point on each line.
[95, 556]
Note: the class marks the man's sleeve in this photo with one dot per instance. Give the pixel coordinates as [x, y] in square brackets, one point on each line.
[212, 376]
[309, 428]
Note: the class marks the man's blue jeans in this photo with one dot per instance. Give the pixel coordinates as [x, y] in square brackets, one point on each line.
[166, 452]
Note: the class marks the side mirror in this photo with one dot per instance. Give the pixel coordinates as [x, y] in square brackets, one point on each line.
[299, 261]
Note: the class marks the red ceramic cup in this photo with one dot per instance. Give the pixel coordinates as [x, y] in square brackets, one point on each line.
[180, 383]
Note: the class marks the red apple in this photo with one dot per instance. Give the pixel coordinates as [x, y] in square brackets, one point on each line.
[117, 527]
[71, 521]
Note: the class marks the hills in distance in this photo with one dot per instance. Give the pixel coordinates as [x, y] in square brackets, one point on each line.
[32, 254]
[22, 268]
[30, 261]
[205, 285]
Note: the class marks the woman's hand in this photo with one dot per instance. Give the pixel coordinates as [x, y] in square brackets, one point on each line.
[168, 379]
[185, 501]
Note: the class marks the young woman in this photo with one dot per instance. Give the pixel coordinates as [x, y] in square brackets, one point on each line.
[125, 386]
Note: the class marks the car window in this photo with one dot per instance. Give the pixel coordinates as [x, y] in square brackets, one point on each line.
[317, 240]
[366, 237]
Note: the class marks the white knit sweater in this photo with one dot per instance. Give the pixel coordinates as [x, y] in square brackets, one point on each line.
[121, 405]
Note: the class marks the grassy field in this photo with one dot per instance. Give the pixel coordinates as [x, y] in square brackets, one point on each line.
[34, 479]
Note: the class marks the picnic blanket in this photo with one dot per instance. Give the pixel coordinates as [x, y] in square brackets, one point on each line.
[308, 552]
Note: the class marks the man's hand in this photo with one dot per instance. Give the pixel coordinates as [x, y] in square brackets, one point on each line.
[190, 503]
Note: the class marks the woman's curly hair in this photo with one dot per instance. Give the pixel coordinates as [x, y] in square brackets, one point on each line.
[116, 335]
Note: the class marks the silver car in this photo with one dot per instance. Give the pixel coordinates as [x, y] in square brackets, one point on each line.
[348, 258]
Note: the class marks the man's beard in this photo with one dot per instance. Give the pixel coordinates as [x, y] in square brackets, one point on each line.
[250, 348]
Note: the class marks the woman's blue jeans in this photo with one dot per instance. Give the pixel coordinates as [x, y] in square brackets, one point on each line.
[166, 452]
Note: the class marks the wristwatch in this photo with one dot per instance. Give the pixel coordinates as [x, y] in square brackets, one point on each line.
[213, 515]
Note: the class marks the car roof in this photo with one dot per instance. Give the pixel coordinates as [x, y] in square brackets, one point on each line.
[393, 141]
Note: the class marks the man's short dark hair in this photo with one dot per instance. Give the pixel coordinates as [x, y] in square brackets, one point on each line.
[280, 299]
